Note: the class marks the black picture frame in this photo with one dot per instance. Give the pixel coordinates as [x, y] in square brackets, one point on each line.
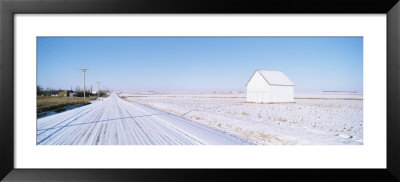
[8, 8]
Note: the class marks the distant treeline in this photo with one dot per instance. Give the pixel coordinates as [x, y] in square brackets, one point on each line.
[62, 92]
[339, 91]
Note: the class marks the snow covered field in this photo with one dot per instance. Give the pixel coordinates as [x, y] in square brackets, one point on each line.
[324, 118]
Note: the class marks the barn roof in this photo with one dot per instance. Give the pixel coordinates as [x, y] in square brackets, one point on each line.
[274, 77]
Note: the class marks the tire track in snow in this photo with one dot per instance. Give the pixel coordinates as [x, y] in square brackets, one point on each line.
[47, 137]
[55, 126]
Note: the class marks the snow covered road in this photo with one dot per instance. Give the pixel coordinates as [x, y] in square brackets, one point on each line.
[114, 121]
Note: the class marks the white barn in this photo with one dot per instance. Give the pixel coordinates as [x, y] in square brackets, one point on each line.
[269, 87]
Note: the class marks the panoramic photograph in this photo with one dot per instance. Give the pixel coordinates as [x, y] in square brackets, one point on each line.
[199, 91]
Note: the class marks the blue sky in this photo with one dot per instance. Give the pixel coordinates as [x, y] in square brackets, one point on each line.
[199, 63]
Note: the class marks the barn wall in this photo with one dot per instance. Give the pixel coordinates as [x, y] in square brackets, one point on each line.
[282, 93]
[257, 89]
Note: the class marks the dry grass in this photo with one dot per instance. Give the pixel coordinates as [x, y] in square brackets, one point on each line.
[281, 141]
[132, 96]
[196, 117]
[56, 103]
[264, 137]
[282, 119]
[278, 103]
[316, 98]
[250, 102]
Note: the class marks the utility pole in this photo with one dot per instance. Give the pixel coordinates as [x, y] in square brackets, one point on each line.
[84, 94]
[98, 88]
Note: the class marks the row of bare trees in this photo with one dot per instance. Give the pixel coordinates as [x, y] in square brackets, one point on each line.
[40, 91]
